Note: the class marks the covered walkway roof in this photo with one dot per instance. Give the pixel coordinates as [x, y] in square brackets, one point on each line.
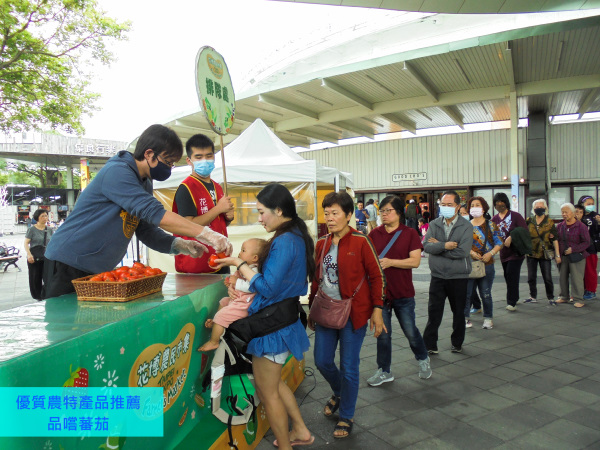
[434, 71]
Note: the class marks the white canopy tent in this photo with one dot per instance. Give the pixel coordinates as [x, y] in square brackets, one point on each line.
[255, 158]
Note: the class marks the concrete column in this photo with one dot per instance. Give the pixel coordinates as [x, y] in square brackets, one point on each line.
[514, 149]
[70, 194]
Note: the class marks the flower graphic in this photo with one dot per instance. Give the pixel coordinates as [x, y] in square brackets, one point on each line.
[263, 414]
[99, 361]
[193, 414]
[48, 445]
[192, 391]
[122, 350]
[111, 379]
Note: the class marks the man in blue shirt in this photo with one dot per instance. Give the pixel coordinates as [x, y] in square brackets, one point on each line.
[361, 214]
[118, 203]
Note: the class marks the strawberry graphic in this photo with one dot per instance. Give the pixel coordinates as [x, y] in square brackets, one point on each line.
[79, 378]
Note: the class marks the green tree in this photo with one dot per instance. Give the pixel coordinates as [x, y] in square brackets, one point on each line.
[47, 52]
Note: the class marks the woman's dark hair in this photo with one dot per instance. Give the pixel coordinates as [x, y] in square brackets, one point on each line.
[583, 198]
[275, 195]
[339, 198]
[502, 197]
[38, 213]
[160, 139]
[395, 202]
[484, 204]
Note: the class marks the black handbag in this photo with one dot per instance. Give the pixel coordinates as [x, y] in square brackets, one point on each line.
[574, 257]
[39, 250]
[265, 321]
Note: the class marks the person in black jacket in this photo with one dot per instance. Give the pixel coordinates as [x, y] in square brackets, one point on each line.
[591, 219]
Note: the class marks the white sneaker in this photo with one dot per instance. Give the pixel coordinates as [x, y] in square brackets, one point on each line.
[380, 377]
[468, 323]
[511, 308]
[425, 368]
[487, 324]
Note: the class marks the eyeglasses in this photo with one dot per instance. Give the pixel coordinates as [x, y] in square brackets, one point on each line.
[170, 164]
[386, 211]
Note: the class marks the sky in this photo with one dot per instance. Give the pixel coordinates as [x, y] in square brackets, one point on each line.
[152, 79]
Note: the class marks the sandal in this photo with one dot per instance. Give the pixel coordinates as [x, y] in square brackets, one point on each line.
[333, 404]
[578, 305]
[347, 428]
[562, 300]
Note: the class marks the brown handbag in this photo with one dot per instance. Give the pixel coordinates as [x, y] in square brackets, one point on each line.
[330, 312]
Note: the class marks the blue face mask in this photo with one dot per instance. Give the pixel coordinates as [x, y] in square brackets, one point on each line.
[205, 167]
[589, 208]
[161, 172]
[448, 212]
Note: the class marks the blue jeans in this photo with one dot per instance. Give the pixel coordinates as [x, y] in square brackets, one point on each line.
[485, 291]
[344, 381]
[404, 308]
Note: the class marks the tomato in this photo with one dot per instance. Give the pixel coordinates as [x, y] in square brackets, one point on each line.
[135, 277]
[212, 260]
[221, 255]
[109, 277]
[97, 278]
[136, 271]
[149, 272]
[124, 269]
[138, 265]
[157, 271]
[123, 276]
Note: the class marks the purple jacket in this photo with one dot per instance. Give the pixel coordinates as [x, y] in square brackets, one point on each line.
[575, 236]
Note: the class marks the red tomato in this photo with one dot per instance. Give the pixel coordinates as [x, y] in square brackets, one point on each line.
[149, 272]
[97, 278]
[157, 271]
[135, 277]
[138, 265]
[110, 277]
[124, 269]
[212, 260]
[221, 255]
[123, 276]
[136, 271]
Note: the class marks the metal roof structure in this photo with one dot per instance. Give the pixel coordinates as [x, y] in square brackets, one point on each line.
[465, 6]
[433, 71]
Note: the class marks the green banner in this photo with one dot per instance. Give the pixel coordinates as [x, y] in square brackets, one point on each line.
[150, 342]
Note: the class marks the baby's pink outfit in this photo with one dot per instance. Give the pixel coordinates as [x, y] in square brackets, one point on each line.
[234, 309]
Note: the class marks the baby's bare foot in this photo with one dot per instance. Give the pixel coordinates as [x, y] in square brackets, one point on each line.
[208, 346]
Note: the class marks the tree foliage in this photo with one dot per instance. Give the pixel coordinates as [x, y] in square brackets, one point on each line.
[35, 175]
[47, 51]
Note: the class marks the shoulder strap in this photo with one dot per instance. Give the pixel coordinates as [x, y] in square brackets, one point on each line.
[45, 236]
[389, 245]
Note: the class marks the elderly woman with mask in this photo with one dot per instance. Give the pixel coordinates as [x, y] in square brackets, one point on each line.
[544, 245]
[573, 240]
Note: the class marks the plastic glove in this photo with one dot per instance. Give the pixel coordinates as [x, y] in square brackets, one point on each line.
[215, 240]
[184, 247]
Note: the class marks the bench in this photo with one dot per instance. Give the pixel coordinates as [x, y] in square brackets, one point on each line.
[9, 256]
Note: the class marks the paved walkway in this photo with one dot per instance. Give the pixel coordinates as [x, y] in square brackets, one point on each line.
[531, 382]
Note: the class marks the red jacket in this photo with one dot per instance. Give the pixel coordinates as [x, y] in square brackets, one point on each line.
[202, 199]
[356, 257]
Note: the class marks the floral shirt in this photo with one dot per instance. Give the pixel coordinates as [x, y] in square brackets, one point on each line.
[486, 237]
[546, 233]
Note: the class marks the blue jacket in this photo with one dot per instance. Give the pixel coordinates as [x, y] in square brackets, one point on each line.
[117, 203]
[283, 276]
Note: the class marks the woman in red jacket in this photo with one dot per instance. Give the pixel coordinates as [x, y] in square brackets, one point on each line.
[349, 262]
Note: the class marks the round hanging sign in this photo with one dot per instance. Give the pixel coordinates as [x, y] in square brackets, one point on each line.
[215, 91]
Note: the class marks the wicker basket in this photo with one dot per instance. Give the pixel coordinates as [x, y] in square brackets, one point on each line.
[121, 291]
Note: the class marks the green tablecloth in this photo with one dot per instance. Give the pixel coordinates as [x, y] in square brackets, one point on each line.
[119, 344]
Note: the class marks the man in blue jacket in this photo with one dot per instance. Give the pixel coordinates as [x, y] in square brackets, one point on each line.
[117, 203]
[448, 242]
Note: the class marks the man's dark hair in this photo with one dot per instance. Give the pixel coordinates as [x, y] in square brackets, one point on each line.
[339, 198]
[370, 202]
[162, 140]
[456, 196]
[38, 212]
[577, 206]
[502, 197]
[198, 141]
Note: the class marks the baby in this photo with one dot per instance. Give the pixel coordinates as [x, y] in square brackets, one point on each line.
[232, 309]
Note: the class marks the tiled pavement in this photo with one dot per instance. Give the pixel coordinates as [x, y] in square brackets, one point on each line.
[531, 382]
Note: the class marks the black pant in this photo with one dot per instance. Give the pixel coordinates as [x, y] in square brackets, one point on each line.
[456, 292]
[512, 272]
[546, 270]
[58, 277]
[475, 300]
[35, 278]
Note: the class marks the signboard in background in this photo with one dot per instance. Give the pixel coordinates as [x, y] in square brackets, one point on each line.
[409, 176]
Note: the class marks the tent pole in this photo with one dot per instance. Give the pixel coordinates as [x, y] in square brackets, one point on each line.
[223, 161]
[316, 213]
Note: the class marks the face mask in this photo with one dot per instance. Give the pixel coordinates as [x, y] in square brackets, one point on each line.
[589, 208]
[205, 167]
[501, 208]
[447, 211]
[539, 211]
[161, 172]
[476, 212]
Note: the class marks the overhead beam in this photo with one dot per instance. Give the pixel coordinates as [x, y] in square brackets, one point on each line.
[445, 99]
[454, 115]
[366, 132]
[318, 136]
[510, 70]
[295, 142]
[251, 119]
[334, 87]
[288, 106]
[587, 101]
[408, 126]
[417, 78]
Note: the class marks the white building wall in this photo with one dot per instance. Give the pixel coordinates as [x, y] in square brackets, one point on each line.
[479, 158]
[574, 152]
